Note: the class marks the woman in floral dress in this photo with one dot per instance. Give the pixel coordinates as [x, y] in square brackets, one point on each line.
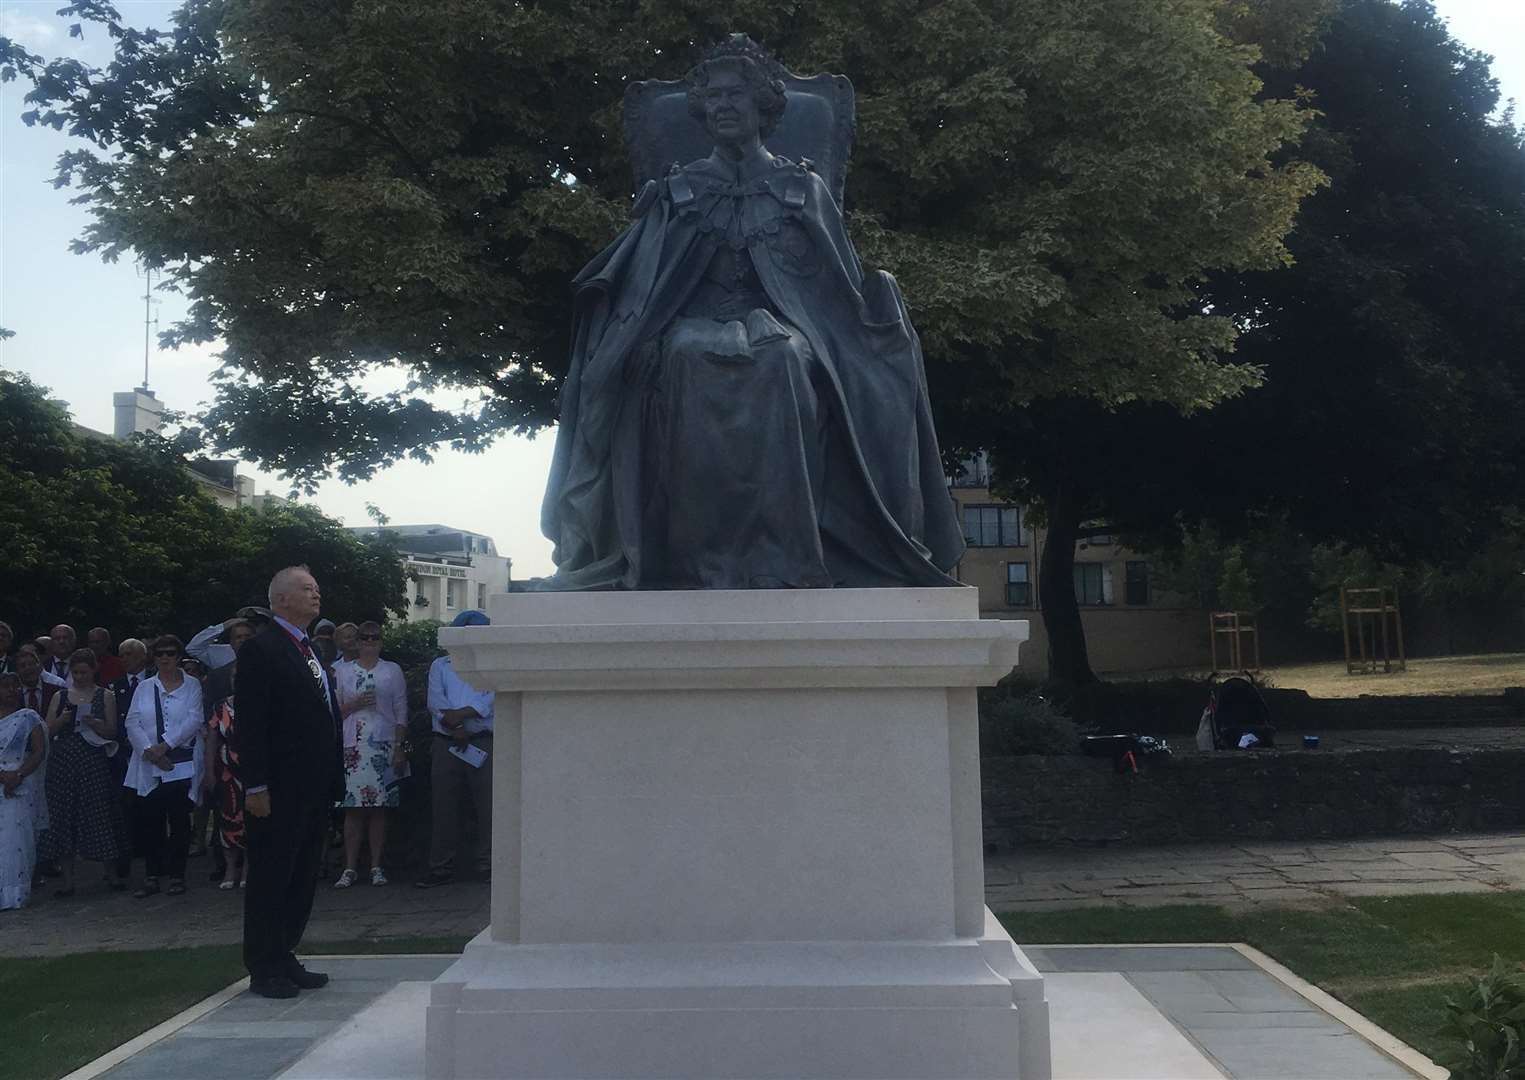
[373, 700]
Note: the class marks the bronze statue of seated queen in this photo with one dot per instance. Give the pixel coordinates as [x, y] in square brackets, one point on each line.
[745, 408]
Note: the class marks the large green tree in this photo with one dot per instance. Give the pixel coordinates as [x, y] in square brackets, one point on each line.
[1395, 380]
[100, 532]
[1389, 414]
[354, 186]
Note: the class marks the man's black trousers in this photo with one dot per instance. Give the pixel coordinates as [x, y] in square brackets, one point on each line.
[285, 853]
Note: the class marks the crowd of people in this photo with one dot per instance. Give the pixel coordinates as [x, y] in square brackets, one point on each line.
[111, 753]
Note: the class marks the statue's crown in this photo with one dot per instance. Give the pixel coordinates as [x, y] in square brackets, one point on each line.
[740, 45]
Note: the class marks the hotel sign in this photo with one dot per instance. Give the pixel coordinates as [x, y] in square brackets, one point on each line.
[418, 569]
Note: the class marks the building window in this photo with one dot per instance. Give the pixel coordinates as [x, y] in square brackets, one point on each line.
[1093, 584]
[1136, 584]
[482, 596]
[1019, 588]
[455, 593]
[994, 526]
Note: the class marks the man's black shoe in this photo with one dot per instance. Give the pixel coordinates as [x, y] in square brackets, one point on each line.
[433, 878]
[307, 980]
[276, 986]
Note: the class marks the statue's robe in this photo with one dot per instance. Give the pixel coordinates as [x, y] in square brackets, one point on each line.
[790, 446]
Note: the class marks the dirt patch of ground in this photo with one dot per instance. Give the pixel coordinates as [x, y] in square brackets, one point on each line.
[1437, 675]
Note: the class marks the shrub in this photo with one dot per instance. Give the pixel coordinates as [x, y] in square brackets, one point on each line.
[1484, 1028]
[1016, 720]
[413, 647]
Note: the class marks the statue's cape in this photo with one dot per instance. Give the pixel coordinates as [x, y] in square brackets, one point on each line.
[887, 500]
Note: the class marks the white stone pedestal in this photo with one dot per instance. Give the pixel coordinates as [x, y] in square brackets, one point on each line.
[737, 834]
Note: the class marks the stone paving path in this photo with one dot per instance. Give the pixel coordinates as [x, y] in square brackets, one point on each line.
[1279, 873]
[1237, 1022]
[95, 918]
[1028, 880]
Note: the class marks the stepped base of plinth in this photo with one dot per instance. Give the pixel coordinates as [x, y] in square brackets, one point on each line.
[964, 1008]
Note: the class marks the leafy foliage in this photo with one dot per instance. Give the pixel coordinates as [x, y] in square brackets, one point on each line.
[1485, 1026]
[367, 203]
[1018, 720]
[413, 646]
[1389, 415]
[120, 535]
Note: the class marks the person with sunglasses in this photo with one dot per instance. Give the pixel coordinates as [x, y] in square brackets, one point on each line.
[164, 725]
[373, 700]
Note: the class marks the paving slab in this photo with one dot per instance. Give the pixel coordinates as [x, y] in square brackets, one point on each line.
[1167, 1013]
[1028, 880]
[1405, 873]
[1411, 888]
[185, 1057]
[1434, 860]
[1309, 1054]
[1260, 873]
[1284, 896]
[96, 919]
[1139, 1042]
[1254, 991]
[1132, 958]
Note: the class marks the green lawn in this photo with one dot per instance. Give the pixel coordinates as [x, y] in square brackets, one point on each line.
[1393, 959]
[59, 1012]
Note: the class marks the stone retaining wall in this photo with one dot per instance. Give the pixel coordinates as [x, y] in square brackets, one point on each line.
[1272, 795]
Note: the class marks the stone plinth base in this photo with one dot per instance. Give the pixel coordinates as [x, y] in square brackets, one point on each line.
[738, 834]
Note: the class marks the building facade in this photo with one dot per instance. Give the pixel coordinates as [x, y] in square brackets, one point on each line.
[1131, 624]
[139, 411]
[451, 570]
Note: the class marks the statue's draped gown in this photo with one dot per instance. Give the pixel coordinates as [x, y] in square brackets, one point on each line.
[745, 409]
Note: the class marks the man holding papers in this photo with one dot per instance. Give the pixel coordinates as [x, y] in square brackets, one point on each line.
[461, 763]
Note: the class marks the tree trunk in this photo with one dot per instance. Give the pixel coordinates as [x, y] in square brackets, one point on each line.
[1068, 663]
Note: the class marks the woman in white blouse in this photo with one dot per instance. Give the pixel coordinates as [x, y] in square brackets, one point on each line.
[373, 700]
[164, 726]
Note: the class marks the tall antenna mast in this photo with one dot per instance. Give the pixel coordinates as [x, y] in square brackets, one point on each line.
[149, 321]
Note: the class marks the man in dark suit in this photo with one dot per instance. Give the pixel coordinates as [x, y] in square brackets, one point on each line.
[37, 689]
[287, 729]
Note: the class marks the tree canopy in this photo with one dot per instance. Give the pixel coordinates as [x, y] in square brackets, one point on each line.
[366, 202]
[120, 535]
[1389, 414]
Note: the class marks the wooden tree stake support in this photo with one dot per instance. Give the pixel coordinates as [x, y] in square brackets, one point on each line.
[1234, 626]
[1378, 624]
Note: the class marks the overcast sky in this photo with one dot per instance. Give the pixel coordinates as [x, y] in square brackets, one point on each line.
[79, 322]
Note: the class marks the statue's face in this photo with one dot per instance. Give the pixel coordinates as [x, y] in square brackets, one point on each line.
[730, 111]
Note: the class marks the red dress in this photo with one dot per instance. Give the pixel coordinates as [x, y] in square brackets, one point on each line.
[230, 791]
